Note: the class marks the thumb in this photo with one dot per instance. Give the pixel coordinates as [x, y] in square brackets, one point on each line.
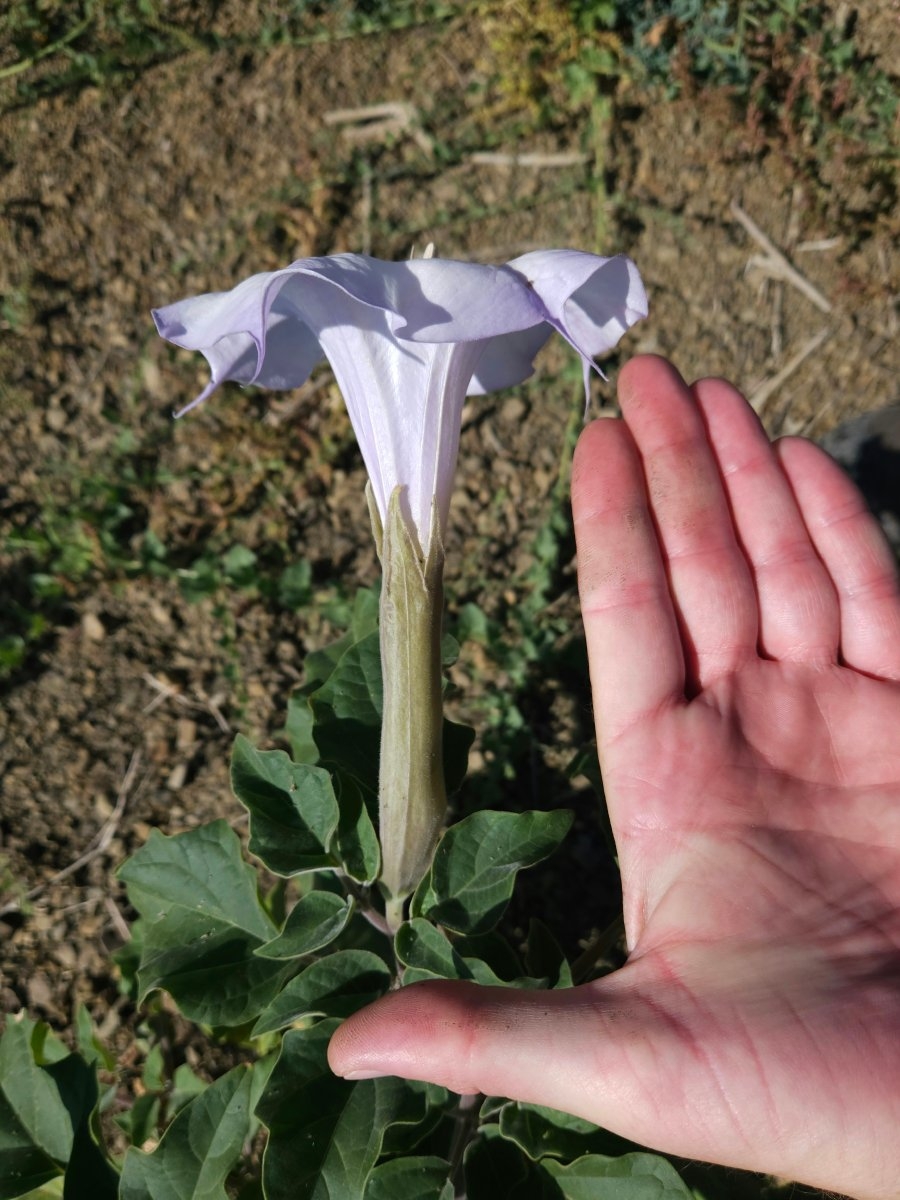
[550, 1048]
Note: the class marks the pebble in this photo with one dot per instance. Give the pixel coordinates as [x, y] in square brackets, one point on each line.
[92, 627]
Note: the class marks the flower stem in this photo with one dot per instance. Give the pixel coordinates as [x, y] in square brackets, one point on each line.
[412, 799]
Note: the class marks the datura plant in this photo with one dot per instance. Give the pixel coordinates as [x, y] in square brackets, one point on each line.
[407, 341]
[370, 893]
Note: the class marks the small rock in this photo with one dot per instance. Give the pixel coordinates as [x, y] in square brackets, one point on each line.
[92, 627]
[177, 776]
[65, 955]
[40, 994]
[185, 733]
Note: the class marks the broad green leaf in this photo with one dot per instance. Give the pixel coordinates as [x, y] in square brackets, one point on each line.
[47, 1191]
[293, 809]
[449, 650]
[139, 1122]
[199, 1149]
[353, 690]
[495, 951]
[410, 1179]
[298, 728]
[364, 619]
[457, 742]
[202, 921]
[631, 1177]
[350, 749]
[46, 1047]
[88, 1171]
[545, 957]
[319, 664]
[335, 986]
[346, 712]
[497, 1170]
[90, 1047]
[428, 954]
[543, 1132]
[314, 921]
[472, 876]
[400, 1140]
[46, 1115]
[356, 843]
[342, 1123]
[35, 1126]
[295, 585]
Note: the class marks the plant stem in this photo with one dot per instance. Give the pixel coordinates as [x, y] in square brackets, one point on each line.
[412, 799]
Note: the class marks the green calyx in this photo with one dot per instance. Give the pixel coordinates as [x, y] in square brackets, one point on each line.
[412, 798]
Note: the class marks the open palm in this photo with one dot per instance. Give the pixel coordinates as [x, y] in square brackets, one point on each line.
[743, 624]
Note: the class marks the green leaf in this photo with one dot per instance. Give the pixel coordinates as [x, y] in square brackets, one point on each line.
[424, 1178]
[295, 585]
[400, 1140]
[495, 952]
[342, 1123]
[202, 923]
[90, 1046]
[541, 1132]
[46, 1117]
[497, 1170]
[428, 954]
[88, 1171]
[315, 920]
[298, 729]
[239, 564]
[346, 715]
[545, 957]
[139, 1122]
[198, 1150]
[293, 810]
[319, 664]
[471, 878]
[631, 1177]
[356, 844]
[35, 1126]
[353, 690]
[335, 986]
[456, 743]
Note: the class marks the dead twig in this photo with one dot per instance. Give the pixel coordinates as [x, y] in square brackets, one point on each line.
[762, 394]
[115, 915]
[774, 264]
[375, 122]
[168, 691]
[489, 158]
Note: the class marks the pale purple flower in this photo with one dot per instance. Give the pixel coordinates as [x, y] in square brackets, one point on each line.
[407, 341]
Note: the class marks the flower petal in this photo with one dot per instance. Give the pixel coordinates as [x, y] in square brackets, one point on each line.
[592, 301]
[239, 339]
[508, 359]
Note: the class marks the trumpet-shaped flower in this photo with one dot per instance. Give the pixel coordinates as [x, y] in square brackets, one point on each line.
[407, 341]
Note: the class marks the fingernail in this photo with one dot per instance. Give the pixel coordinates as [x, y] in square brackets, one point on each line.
[355, 1076]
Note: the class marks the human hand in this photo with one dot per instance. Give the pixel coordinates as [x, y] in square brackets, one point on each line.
[743, 627]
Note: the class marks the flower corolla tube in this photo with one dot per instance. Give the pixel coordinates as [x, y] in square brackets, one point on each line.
[407, 341]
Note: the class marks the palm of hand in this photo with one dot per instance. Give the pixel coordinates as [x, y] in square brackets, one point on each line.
[764, 922]
[743, 627]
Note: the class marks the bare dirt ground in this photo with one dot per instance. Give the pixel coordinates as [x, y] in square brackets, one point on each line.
[204, 169]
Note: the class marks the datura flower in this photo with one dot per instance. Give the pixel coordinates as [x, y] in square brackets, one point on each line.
[407, 341]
